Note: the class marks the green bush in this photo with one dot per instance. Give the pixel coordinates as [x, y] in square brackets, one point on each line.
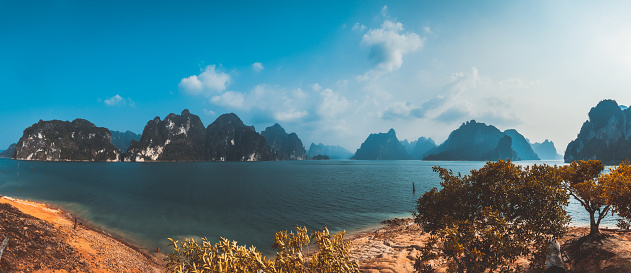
[485, 221]
[226, 256]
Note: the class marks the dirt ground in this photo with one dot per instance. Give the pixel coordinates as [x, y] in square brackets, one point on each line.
[394, 247]
[42, 239]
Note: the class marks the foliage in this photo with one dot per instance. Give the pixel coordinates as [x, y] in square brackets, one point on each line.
[490, 218]
[618, 184]
[227, 256]
[581, 178]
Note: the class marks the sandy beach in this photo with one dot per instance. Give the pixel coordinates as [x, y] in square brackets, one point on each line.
[44, 239]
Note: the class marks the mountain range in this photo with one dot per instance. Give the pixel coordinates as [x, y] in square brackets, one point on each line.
[331, 151]
[184, 138]
[176, 138]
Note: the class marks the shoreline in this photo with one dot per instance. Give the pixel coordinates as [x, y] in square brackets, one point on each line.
[390, 246]
[87, 248]
[86, 224]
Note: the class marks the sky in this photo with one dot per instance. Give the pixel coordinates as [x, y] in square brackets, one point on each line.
[331, 71]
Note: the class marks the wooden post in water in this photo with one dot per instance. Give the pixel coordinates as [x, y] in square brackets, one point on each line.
[413, 188]
[18, 171]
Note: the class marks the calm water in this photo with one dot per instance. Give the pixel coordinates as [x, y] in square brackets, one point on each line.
[146, 203]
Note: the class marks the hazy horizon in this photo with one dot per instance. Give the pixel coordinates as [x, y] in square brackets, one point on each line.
[333, 72]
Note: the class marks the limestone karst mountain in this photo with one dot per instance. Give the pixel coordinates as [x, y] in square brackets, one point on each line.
[382, 146]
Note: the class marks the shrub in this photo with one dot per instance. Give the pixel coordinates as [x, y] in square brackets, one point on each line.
[226, 256]
[583, 181]
[490, 218]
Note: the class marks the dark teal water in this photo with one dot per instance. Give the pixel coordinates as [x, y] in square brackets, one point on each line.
[146, 203]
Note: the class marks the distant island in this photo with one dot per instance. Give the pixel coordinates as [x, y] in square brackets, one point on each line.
[8, 153]
[419, 148]
[480, 142]
[333, 152]
[320, 157]
[605, 136]
[122, 140]
[546, 150]
[382, 146]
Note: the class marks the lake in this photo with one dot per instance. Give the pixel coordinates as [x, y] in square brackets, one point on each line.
[145, 203]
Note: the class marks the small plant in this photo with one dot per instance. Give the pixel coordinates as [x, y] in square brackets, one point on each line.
[227, 256]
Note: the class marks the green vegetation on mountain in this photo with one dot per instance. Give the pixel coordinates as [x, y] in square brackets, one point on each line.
[122, 140]
[606, 136]
[228, 139]
[285, 146]
[57, 140]
[474, 141]
[382, 146]
[521, 146]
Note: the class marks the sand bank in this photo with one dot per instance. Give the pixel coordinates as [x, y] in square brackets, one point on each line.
[44, 239]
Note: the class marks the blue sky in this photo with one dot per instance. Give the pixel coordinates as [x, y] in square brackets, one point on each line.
[331, 71]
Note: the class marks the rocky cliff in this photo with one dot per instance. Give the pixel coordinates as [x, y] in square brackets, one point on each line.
[228, 139]
[521, 146]
[382, 146]
[475, 141]
[8, 153]
[605, 136]
[176, 138]
[57, 140]
[122, 140]
[284, 146]
[333, 152]
[546, 150]
[418, 148]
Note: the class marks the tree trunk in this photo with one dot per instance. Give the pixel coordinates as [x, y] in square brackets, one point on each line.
[593, 225]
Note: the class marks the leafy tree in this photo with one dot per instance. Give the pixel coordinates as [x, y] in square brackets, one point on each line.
[490, 218]
[226, 256]
[581, 178]
[618, 184]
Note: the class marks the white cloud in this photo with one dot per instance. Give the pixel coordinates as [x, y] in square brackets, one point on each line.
[388, 45]
[407, 110]
[428, 30]
[358, 27]
[316, 87]
[209, 112]
[384, 11]
[332, 104]
[210, 81]
[230, 98]
[290, 115]
[118, 100]
[257, 67]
